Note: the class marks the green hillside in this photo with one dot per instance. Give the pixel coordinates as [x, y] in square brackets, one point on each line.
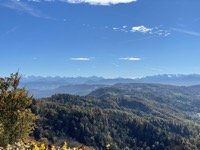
[149, 116]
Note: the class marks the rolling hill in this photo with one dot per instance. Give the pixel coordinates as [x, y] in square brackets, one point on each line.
[134, 116]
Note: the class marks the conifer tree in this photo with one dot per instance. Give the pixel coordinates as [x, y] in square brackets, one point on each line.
[16, 118]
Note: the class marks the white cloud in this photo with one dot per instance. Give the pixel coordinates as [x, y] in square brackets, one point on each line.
[131, 58]
[34, 0]
[101, 2]
[159, 31]
[122, 29]
[115, 28]
[80, 59]
[167, 34]
[142, 29]
[92, 2]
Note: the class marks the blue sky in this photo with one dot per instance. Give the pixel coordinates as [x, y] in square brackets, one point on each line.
[108, 38]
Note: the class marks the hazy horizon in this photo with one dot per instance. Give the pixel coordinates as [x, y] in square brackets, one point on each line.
[46, 76]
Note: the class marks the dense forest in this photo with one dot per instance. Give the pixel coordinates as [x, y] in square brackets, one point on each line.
[126, 116]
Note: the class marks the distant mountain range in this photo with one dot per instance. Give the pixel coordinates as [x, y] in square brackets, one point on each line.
[47, 86]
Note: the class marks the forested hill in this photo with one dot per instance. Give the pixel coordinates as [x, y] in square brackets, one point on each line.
[149, 116]
[177, 97]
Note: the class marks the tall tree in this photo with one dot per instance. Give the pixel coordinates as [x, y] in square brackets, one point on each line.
[16, 119]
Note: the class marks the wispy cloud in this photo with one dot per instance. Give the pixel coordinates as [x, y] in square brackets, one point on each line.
[123, 28]
[35, 0]
[193, 33]
[116, 65]
[81, 59]
[142, 29]
[20, 6]
[9, 31]
[159, 31]
[92, 2]
[131, 58]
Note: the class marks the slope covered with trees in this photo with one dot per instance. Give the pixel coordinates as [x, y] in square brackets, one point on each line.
[126, 116]
[149, 116]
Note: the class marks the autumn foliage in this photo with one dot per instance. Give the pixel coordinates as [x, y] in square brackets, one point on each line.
[16, 119]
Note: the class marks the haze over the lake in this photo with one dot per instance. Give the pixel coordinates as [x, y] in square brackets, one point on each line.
[108, 38]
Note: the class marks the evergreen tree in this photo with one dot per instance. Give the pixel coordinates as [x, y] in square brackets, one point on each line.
[16, 118]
